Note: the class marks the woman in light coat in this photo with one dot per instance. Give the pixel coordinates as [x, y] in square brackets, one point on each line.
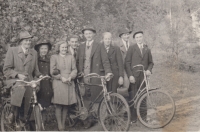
[63, 82]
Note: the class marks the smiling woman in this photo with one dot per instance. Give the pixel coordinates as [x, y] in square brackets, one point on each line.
[45, 94]
[63, 83]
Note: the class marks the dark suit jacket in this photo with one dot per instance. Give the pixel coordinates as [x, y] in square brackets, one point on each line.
[134, 57]
[99, 64]
[116, 63]
[99, 59]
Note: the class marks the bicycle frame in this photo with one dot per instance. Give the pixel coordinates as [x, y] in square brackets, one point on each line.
[141, 90]
[104, 91]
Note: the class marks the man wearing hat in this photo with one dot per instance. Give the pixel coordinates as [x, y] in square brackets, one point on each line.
[92, 59]
[21, 64]
[137, 54]
[124, 45]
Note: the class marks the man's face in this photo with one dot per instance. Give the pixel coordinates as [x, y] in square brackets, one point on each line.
[139, 38]
[107, 39]
[125, 36]
[26, 43]
[73, 42]
[89, 35]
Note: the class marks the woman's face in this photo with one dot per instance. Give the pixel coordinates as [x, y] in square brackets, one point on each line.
[63, 49]
[43, 50]
[107, 39]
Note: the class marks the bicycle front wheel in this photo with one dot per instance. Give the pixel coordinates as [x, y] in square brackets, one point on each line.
[38, 118]
[7, 123]
[114, 113]
[155, 109]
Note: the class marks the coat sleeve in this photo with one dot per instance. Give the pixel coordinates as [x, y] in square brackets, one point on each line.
[73, 70]
[53, 67]
[128, 62]
[150, 60]
[120, 62]
[8, 68]
[78, 59]
[36, 69]
[105, 60]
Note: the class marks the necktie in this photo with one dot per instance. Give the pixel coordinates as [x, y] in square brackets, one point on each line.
[74, 53]
[26, 53]
[141, 49]
[126, 45]
[88, 45]
[107, 49]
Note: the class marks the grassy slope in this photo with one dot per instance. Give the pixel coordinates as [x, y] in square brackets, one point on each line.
[180, 84]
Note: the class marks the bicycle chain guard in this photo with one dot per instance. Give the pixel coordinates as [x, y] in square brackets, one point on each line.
[83, 113]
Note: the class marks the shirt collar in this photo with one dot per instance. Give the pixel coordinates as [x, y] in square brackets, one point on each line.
[140, 45]
[124, 42]
[72, 50]
[24, 50]
[89, 42]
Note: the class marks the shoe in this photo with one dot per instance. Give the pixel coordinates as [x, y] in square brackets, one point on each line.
[133, 121]
[88, 124]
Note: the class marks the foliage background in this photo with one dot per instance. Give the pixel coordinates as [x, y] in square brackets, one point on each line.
[167, 24]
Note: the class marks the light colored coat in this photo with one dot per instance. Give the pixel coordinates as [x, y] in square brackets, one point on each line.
[63, 93]
[16, 63]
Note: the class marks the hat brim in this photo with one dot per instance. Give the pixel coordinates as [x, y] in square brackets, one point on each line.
[24, 38]
[137, 33]
[124, 33]
[36, 47]
[90, 29]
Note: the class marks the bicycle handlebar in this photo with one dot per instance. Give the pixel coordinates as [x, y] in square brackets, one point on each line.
[33, 81]
[138, 66]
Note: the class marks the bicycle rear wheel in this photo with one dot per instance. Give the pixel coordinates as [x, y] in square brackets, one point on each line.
[38, 118]
[156, 109]
[119, 117]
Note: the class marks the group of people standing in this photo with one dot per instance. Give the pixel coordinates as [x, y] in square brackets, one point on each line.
[71, 60]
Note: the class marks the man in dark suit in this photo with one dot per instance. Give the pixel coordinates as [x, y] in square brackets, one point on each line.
[116, 62]
[137, 54]
[92, 59]
[124, 45]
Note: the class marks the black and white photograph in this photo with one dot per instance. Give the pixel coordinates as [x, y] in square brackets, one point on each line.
[100, 65]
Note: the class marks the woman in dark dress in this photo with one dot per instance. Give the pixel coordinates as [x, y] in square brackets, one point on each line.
[45, 93]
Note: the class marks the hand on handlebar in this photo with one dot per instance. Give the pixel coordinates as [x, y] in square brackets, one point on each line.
[147, 72]
[80, 74]
[108, 76]
[21, 76]
[132, 79]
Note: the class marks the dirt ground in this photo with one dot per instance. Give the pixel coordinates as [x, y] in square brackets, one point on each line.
[183, 86]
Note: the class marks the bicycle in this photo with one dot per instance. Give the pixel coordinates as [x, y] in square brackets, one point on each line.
[19, 124]
[113, 110]
[155, 108]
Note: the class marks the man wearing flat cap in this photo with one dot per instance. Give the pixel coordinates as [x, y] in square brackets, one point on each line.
[20, 64]
[124, 45]
[137, 54]
[92, 59]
